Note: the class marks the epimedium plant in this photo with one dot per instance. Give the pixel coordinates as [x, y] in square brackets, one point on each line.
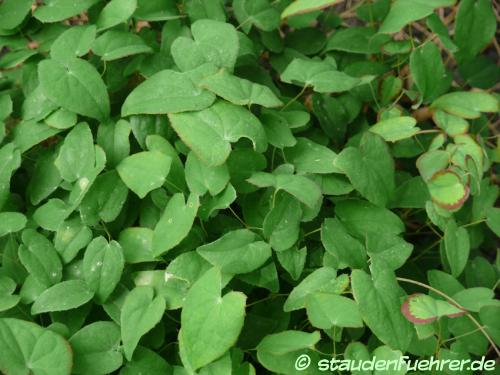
[219, 187]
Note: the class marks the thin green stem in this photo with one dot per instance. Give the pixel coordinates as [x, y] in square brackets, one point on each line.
[294, 99]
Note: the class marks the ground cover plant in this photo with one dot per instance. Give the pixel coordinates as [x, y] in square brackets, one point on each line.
[247, 186]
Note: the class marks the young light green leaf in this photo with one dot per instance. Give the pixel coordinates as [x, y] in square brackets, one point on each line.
[175, 223]
[451, 124]
[140, 313]
[144, 171]
[447, 190]
[96, 348]
[115, 12]
[326, 310]
[209, 133]
[240, 91]
[423, 309]
[210, 322]
[306, 6]
[103, 264]
[396, 128]
[76, 86]
[168, 92]
[64, 296]
[28, 348]
[238, 251]
[468, 105]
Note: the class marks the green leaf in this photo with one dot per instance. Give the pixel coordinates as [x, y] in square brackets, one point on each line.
[404, 12]
[457, 247]
[474, 299]
[114, 139]
[306, 6]
[77, 155]
[13, 12]
[323, 279]
[301, 187]
[144, 171]
[139, 314]
[240, 91]
[158, 10]
[278, 352]
[238, 251]
[362, 218]
[209, 133]
[282, 224]
[370, 168]
[28, 348]
[115, 12]
[447, 190]
[326, 310]
[11, 222]
[321, 75]
[425, 65]
[210, 322]
[146, 361]
[74, 42]
[175, 223]
[104, 200]
[201, 178]
[102, 267]
[258, 13]
[423, 309]
[475, 27]
[347, 250]
[114, 44]
[356, 40]
[311, 157]
[452, 125]
[168, 92]
[64, 296]
[59, 10]
[96, 348]
[40, 258]
[76, 86]
[396, 128]
[378, 296]
[468, 105]
[213, 42]
[493, 220]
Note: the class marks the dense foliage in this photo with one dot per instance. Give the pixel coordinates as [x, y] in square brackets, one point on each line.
[222, 186]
